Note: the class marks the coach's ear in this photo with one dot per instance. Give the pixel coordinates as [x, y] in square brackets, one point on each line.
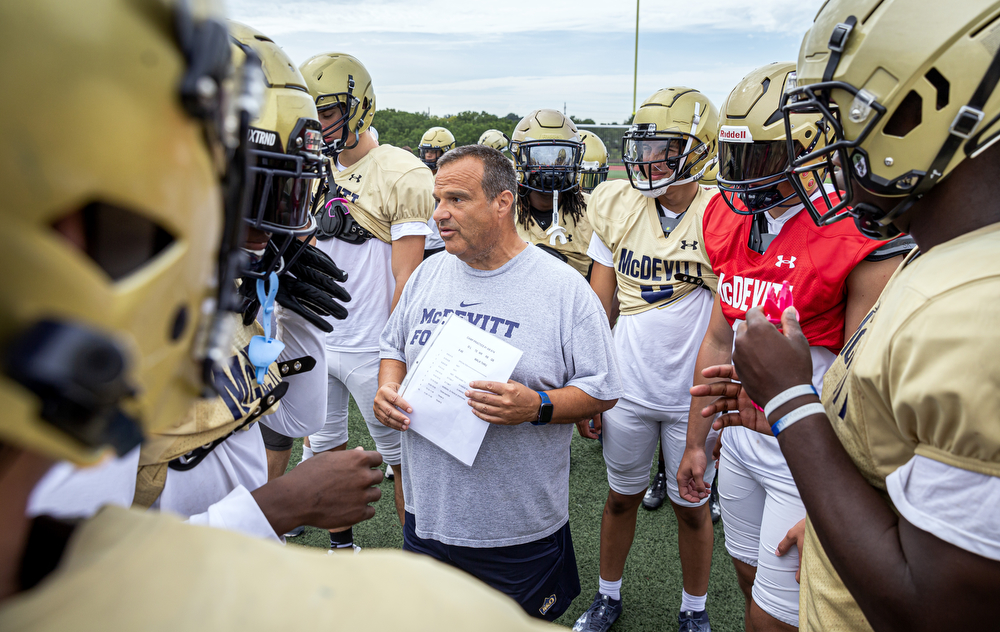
[505, 202]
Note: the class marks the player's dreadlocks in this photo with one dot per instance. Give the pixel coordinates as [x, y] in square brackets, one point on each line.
[571, 204]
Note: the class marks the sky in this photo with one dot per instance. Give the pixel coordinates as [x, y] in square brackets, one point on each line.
[448, 56]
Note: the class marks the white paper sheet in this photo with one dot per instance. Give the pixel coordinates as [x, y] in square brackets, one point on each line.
[457, 353]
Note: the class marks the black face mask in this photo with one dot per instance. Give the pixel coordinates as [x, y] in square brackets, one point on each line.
[544, 180]
[761, 198]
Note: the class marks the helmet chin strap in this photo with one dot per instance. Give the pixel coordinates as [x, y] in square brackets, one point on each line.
[655, 193]
[556, 232]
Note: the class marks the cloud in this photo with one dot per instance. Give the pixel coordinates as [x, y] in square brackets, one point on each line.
[512, 65]
[461, 17]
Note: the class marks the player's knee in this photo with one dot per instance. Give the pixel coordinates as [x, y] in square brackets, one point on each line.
[693, 518]
[622, 504]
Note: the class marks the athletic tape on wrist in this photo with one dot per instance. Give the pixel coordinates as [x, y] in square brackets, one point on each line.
[788, 395]
[796, 415]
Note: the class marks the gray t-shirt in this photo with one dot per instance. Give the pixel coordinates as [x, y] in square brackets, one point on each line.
[517, 490]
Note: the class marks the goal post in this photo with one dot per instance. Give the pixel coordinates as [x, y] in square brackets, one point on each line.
[611, 136]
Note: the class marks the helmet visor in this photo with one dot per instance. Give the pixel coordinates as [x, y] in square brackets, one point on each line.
[281, 199]
[744, 162]
[429, 155]
[653, 161]
[283, 182]
[590, 178]
[549, 165]
[550, 155]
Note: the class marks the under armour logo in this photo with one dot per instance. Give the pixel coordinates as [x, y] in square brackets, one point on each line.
[685, 244]
[355, 177]
[790, 262]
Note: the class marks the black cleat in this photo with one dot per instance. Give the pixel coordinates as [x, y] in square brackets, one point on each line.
[691, 621]
[600, 615]
[656, 492]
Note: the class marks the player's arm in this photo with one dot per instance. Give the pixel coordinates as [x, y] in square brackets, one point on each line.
[604, 282]
[407, 253]
[716, 348]
[864, 285]
[513, 403]
[902, 577]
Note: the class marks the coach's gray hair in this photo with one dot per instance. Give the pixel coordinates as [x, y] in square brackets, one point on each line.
[498, 172]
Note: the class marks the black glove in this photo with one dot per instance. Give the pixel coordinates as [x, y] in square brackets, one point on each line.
[310, 287]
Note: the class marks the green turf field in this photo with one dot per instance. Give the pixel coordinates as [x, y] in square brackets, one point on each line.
[652, 582]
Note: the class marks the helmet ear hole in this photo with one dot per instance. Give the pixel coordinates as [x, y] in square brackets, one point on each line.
[118, 240]
[906, 117]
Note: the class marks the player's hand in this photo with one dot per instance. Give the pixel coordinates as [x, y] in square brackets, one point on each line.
[310, 287]
[691, 483]
[732, 404]
[330, 490]
[503, 404]
[387, 407]
[770, 361]
[590, 428]
[796, 535]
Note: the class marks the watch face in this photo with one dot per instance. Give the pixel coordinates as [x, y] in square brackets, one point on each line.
[545, 413]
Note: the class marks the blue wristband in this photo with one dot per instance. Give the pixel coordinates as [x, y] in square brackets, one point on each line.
[797, 415]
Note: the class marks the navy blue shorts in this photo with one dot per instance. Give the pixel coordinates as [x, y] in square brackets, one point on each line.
[541, 576]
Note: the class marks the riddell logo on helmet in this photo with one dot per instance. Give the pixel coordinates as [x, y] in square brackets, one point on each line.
[735, 134]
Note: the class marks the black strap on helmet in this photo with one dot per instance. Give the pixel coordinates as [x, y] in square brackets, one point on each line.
[837, 44]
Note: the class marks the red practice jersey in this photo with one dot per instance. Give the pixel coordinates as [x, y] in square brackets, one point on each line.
[814, 260]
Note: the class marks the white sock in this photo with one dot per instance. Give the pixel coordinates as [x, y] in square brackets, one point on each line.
[690, 602]
[611, 589]
[307, 453]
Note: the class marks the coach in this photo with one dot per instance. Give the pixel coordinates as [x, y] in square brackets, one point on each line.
[505, 519]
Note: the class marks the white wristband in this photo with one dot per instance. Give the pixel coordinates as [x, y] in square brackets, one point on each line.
[788, 395]
[796, 415]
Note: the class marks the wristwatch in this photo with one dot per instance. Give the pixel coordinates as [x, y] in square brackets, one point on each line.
[544, 411]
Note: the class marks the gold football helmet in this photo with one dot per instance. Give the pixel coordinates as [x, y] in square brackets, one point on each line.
[496, 139]
[111, 232]
[753, 150]
[434, 143]
[286, 142]
[594, 168]
[905, 105]
[672, 140]
[338, 80]
[547, 152]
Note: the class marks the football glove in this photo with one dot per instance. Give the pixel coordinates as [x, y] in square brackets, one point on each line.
[310, 287]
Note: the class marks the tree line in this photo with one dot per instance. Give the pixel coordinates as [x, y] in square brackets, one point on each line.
[404, 129]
